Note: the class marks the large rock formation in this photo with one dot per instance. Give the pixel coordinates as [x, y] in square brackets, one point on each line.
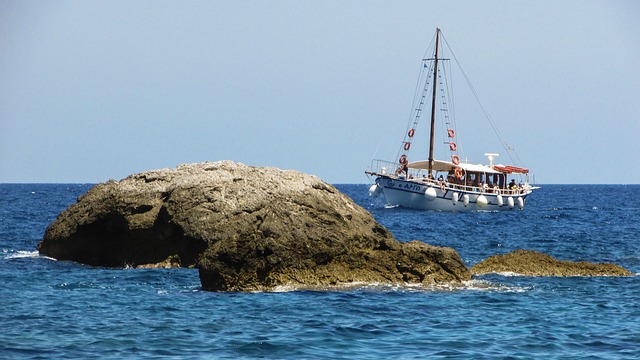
[250, 229]
[267, 263]
[532, 263]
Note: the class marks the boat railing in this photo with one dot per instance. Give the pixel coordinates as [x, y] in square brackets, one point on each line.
[394, 171]
[383, 167]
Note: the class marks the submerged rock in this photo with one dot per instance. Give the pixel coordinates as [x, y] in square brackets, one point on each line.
[533, 263]
[247, 228]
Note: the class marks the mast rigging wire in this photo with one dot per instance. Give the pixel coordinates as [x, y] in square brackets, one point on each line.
[506, 146]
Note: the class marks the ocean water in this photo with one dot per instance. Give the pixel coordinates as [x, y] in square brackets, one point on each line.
[57, 309]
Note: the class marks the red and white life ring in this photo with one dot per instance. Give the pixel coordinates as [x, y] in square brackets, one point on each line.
[451, 133]
[411, 133]
[455, 160]
[453, 146]
[458, 173]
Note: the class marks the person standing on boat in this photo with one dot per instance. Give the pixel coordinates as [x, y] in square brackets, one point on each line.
[512, 184]
[403, 172]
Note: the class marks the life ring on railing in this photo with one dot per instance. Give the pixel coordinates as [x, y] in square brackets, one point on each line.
[453, 146]
[407, 146]
[403, 160]
[458, 173]
[411, 133]
[451, 133]
[455, 160]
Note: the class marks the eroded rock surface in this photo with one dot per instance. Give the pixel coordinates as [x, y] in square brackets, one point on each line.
[533, 263]
[265, 264]
[247, 228]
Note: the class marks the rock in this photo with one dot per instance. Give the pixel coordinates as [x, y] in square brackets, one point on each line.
[532, 263]
[168, 263]
[265, 264]
[247, 228]
[127, 223]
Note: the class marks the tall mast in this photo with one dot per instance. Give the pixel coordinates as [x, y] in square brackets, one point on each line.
[433, 104]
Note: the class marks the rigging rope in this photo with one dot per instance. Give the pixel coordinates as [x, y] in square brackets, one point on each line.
[419, 101]
[506, 146]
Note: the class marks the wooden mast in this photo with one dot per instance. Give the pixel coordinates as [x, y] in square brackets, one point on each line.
[433, 105]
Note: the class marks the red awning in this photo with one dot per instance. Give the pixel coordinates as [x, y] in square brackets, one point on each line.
[511, 169]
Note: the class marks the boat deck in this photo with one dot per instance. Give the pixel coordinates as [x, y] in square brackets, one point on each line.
[419, 176]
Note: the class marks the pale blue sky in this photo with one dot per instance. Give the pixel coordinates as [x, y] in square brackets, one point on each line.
[98, 90]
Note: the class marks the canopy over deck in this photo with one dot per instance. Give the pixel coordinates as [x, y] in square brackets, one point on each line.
[511, 169]
[441, 165]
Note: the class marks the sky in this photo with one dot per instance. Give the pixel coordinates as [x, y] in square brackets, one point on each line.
[99, 90]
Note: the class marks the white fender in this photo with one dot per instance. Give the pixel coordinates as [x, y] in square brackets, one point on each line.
[520, 202]
[374, 190]
[454, 199]
[465, 199]
[500, 201]
[430, 194]
[510, 202]
[482, 201]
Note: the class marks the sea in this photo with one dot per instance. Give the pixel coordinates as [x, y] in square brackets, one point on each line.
[60, 309]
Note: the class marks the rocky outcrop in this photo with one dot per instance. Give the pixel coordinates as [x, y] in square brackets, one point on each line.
[246, 228]
[532, 263]
[264, 264]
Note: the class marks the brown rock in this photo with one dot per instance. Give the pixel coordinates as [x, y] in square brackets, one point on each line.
[264, 264]
[261, 228]
[532, 263]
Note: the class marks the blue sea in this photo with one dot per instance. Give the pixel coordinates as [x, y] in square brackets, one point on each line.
[59, 309]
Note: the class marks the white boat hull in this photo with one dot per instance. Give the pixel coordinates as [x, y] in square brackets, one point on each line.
[430, 196]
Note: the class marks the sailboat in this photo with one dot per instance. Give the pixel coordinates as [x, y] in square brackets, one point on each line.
[449, 184]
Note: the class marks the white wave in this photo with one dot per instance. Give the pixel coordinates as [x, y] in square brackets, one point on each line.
[471, 285]
[22, 254]
[484, 285]
[509, 273]
[299, 287]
